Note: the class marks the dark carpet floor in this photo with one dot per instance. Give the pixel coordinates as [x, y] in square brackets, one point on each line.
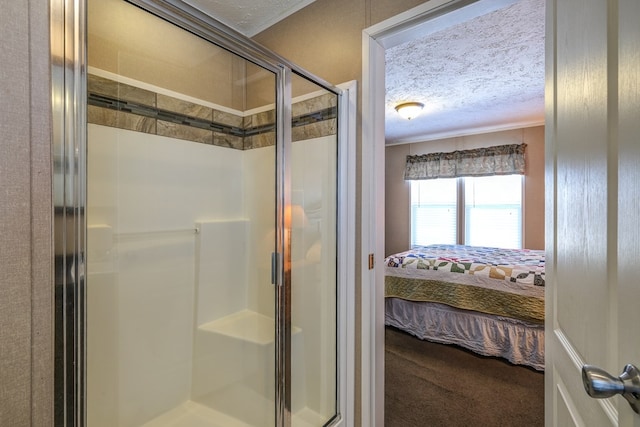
[429, 384]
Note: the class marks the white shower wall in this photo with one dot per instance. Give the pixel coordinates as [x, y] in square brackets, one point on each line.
[148, 192]
[313, 294]
[152, 280]
[259, 194]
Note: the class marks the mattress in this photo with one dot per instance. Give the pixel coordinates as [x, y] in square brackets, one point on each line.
[489, 300]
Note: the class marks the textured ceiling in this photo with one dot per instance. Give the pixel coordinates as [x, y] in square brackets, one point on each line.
[249, 17]
[480, 75]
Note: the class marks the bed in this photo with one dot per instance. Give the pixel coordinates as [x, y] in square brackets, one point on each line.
[488, 300]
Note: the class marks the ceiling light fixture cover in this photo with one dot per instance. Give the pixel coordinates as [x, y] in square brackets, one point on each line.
[409, 110]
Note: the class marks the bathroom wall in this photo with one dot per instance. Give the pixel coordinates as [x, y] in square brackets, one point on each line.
[314, 267]
[127, 41]
[26, 246]
[145, 195]
[153, 280]
[259, 201]
[211, 78]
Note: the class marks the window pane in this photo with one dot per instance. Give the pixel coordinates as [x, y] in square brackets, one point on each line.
[433, 211]
[493, 211]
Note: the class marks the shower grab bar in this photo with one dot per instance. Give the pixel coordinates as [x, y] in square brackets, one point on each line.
[133, 234]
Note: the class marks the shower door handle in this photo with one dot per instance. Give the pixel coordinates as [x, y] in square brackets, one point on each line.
[275, 258]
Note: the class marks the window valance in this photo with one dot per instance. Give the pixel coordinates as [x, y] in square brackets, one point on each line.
[498, 160]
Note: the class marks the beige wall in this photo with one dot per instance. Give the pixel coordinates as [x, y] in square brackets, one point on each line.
[397, 221]
[26, 369]
[127, 41]
[325, 38]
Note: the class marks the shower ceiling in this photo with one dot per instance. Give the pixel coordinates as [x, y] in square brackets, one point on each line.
[482, 75]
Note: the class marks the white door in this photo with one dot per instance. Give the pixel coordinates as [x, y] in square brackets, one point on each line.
[593, 191]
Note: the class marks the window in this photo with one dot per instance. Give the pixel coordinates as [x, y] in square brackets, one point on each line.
[433, 211]
[488, 209]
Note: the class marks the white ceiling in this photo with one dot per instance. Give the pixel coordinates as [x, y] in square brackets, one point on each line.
[481, 75]
[477, 76]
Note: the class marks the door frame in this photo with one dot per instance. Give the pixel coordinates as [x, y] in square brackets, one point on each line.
[417, 22]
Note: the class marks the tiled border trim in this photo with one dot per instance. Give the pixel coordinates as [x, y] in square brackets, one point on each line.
[166, 115]
[128, 107]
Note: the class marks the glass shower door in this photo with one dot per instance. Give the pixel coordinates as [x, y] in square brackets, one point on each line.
[181, 204]
[314, 228]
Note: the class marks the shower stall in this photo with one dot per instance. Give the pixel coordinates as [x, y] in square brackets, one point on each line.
[201, 231]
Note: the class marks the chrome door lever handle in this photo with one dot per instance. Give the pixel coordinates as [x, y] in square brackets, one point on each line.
[599, 384]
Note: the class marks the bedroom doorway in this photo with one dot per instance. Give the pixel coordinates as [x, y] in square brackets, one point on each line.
[403, 28]
[202, 204]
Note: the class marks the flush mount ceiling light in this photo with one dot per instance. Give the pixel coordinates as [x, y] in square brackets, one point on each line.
[409, 110]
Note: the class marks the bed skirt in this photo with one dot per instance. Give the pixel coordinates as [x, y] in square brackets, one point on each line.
[519, 342]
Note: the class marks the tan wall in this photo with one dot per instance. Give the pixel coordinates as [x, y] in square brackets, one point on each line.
[26, 368]
[534, 189]
[397, 221]
[325, 38]
[125, 40]
[397, 198]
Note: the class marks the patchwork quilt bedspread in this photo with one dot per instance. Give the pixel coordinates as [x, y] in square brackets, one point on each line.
[503, 282]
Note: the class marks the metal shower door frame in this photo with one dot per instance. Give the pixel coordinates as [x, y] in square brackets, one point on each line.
[69, 138]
